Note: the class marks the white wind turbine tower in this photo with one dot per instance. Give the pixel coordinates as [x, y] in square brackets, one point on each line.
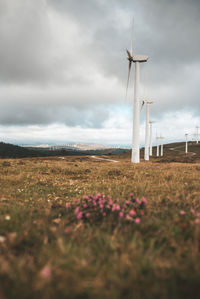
[197, 134]
[151, 137]
[137, 59]
[146, 150]
[161, 145]
[186, 143]
[158, 146]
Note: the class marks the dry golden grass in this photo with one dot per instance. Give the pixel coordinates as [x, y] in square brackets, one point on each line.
[46, 253]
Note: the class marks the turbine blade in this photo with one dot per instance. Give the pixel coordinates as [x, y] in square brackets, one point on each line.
[129, 54]
[142, 106]
[129, 71]
[132, 26]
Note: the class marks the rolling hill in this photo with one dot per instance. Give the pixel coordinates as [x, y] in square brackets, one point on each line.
[14, 151]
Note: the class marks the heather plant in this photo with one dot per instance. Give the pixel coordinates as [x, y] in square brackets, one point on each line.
[95, 209]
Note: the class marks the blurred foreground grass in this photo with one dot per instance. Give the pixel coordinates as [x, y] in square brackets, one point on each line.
[43, 254]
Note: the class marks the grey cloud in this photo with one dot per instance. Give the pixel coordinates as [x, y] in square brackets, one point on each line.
[168, 31]
[25, 42]
[25, 113]
[87, 12]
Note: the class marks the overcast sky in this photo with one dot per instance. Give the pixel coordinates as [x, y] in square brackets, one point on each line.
[63, 69]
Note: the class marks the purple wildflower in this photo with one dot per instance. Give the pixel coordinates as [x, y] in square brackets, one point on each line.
[117, 207]
[137, 220]
[79, 215]
[68, 205]
[138, 201]
[121, 214]
[182, 212]
[144, 200]
[77, 210]
[132, 212]
[46, 272]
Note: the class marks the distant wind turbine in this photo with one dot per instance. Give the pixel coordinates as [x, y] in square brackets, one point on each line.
[151, 137]
[146, 150]
[158, 146]
[161, 145]
[197, 134]
[137, 59]
[186, 143]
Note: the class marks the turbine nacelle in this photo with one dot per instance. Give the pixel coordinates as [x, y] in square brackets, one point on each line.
[139, 58]
[136, 58]
[147, 101]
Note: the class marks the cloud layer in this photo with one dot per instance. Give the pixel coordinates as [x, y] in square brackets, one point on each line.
[63, 62]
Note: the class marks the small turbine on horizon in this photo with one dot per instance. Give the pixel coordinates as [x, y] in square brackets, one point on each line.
[161, 145]
[146, 149]
[186, 143]
[158, 145]
[151, 122]
[137, 59]
[197, 134]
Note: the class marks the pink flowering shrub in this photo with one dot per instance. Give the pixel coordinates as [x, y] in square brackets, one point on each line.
[187, 218]
[96, 208]
[182, 212]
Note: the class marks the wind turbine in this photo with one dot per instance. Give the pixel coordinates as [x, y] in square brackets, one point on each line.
[158, 146]
[146, 150]
[137, 59]
[197, 130]
[150, 141]
[186, 143]
[161, 145]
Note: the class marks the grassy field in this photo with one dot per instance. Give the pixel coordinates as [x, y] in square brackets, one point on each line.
[115, 245]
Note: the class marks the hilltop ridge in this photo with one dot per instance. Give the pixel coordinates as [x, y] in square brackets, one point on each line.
[14, 151]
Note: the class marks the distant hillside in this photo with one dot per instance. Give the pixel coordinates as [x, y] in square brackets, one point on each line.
[14, 151]
[173, 152]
